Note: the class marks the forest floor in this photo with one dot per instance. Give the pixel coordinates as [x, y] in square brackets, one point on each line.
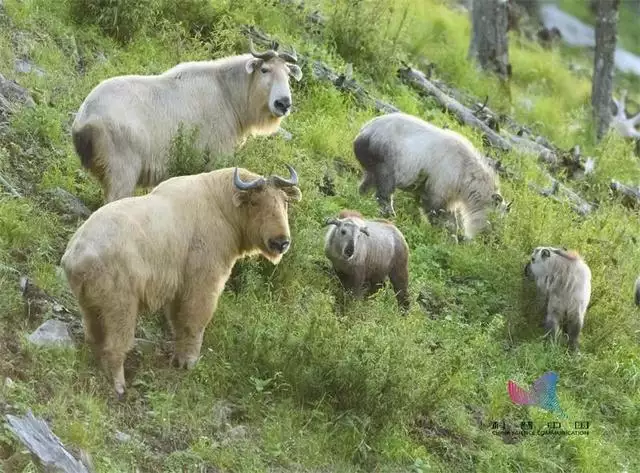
[286, 382]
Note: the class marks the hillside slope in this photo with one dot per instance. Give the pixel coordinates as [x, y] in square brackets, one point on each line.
[287, 382]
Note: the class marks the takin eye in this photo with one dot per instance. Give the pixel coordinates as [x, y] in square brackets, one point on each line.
[264, 70]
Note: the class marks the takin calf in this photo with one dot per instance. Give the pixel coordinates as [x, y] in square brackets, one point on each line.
[563, 279]
[366, 252]
[123, 130]
[174, 248]
[402, 151]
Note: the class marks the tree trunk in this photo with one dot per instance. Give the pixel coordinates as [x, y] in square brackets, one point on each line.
[489, 44]
[603, 66]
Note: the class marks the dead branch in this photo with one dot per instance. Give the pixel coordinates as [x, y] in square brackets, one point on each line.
[630, 195]
[9, 187]
[43, 444]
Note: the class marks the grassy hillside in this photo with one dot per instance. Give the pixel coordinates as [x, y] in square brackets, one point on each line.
[286, 381]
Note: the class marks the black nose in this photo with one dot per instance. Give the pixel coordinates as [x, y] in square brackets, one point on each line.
[279, 244]
[283, 104]
[348, 251]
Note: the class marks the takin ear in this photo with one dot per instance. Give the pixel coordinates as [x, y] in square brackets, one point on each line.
[545, 253]
[240, 198]
[295, 72]
[293, 193]
[365, 230]
[252, 64]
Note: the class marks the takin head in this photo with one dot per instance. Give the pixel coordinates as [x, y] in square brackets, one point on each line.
[500, 204]
[541, 259]
[343, 241]
[266, 201]
[270, 79]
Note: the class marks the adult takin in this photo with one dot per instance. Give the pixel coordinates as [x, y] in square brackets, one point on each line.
[364, 253]
[173, 248]
[563, 279]
[124, 128]
[402, 151]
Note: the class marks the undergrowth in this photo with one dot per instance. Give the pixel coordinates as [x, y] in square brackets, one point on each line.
[311, 387]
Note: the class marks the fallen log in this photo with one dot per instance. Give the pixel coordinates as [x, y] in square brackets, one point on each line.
[345, 83]
[9, 187]
[44, 445]
[630, 195]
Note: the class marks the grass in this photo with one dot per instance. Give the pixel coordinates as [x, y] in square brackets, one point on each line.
[313, 389]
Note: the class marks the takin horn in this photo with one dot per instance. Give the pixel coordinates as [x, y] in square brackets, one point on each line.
[245, 186]
[289, 57]
[331, 221]
[281, 182]
[265, 56]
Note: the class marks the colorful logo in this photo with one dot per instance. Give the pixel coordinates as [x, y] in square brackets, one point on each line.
[542, 393]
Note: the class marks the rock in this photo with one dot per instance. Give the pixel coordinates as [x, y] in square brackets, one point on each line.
[9, 383]
[52, 332]
[25, 66]
[286, 135]
[11, 95]
[239, 432]
[68, 203]
[122, 437]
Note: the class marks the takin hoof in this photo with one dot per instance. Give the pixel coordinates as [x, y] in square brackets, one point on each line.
[184, 362]
[120, 392]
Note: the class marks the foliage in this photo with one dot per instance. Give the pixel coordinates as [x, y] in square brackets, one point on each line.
[312, 387]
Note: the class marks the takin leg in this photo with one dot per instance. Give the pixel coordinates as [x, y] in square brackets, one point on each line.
[574, 327]
[385, 185]
[399, 276]
[368, 181]
[118, 323]
[190, 319]
[122, 177]
[552, 322]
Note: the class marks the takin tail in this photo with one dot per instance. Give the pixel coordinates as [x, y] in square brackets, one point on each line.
[84, 141]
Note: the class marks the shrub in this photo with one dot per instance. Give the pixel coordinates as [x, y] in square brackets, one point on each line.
[185, 158]
[120, 19]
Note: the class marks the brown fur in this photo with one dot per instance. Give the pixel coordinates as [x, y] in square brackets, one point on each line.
[172, 248]
[379, 252]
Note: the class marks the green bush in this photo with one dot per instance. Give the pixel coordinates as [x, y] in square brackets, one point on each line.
[185, 158]
[120, 19]
[366, 33]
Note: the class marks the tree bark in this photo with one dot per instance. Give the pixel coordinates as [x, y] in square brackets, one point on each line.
[602, 83]
[489, 44]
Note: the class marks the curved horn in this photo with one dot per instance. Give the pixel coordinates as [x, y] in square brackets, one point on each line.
[331, 221]
[245, 186]
[281, 182]
[289, 57]
[269, 54]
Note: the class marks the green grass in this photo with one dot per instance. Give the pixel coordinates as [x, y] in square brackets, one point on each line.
[313, 388]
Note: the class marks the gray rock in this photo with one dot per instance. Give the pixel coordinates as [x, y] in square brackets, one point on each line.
[12, 95]
[286, 135]
[68, 203]
[26, 67]
[9, 383]
[52, 332]
[122, 437]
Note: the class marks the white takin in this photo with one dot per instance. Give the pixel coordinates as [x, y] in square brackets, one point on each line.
[124, 128]
[563, 279]
[402, 151]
